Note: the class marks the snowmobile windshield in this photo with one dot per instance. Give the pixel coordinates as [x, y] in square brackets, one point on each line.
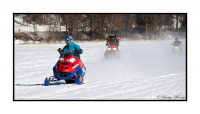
[177, 43]
[67, 53]
[112, 41]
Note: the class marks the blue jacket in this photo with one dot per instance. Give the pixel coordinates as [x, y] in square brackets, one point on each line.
[72, 47]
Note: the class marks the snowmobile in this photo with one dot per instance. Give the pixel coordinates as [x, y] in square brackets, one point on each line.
[177, 50]
[112, 51]
[69, 68]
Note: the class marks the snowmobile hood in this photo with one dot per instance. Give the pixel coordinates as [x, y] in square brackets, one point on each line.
[112, 46]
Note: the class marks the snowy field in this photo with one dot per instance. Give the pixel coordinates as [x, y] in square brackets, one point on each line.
[145, 71]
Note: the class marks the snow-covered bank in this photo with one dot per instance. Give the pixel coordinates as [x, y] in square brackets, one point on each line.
[24, 27]
[145, 71]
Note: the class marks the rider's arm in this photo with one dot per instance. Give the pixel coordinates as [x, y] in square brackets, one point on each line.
[108, 39]
[78, 49]
[62, 53]
[117, 40]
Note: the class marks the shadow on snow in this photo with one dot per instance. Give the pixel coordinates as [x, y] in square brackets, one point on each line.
[55, 83]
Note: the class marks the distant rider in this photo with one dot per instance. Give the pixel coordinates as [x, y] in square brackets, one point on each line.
[71, 46]
[177, 42]
[113, 39]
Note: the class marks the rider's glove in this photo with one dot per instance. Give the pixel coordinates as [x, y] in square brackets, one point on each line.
[59, 50]
[107, 44]
[80, 50]
[117, 44]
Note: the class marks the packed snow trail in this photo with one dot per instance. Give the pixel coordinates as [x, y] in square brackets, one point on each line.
[147, 89]
[145, 71]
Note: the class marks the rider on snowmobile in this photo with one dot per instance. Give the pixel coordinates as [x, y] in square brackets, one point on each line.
[113, 39]
[71, 46]
[177, 42]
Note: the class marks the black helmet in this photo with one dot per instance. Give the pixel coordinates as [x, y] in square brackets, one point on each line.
[112, 33]
[176, 39]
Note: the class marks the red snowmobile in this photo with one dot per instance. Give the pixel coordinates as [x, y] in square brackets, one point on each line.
[69, 68]
[112, 51]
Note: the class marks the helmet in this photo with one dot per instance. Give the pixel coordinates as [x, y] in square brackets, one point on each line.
[112, 33]
[68, 40]
[176, 39]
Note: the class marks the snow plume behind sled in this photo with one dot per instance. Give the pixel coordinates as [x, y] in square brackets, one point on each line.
[137, 60]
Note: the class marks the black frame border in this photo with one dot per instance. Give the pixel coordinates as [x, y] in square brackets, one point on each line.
[97, 100]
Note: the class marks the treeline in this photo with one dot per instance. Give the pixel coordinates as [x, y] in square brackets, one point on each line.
[99, 26]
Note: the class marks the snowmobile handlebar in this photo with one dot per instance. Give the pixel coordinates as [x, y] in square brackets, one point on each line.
[71, 52]
[113, 44]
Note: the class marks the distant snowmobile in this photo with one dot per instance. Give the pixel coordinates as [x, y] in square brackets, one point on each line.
[177, 50]
[69, 68]
[112, 51]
